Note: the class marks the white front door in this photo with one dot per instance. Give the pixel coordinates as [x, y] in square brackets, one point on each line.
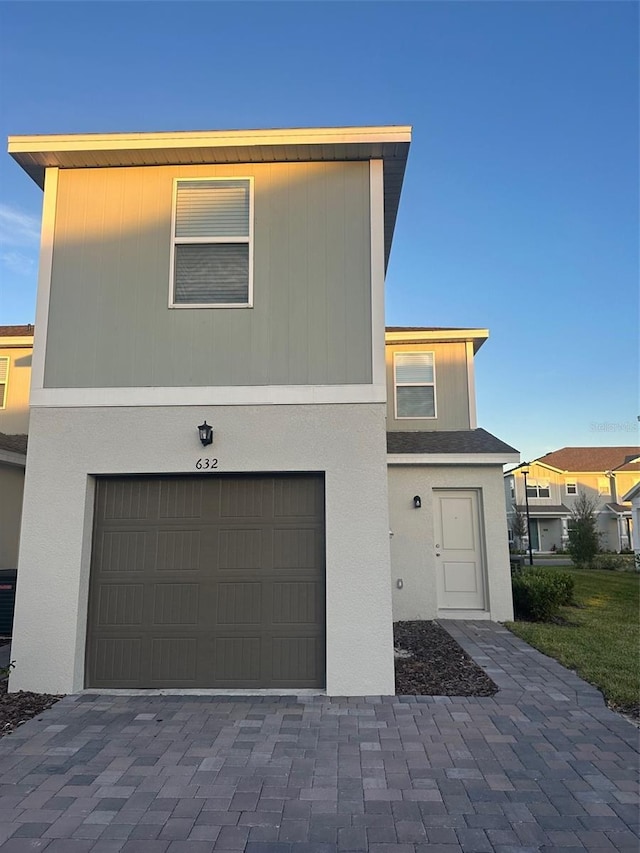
[458, 550]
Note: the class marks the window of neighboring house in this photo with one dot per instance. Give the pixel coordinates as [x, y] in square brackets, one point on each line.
[212, 243]
[4, 378]
[512, 487]
[538, 490]
[571, 487]
[415, 384]
[510, 535]
[604, 486]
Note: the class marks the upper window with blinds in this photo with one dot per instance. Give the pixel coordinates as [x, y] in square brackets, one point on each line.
[415, 384]
[4, 376]
[212, 247]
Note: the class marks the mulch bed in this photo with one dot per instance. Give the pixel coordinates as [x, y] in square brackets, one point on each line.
[17, 708]
[438, 666]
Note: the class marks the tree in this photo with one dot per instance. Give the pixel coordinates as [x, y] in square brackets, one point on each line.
[584, 541]
[519, 528]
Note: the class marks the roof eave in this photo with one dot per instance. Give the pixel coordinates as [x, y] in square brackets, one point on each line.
[113, 150]
[426, 336]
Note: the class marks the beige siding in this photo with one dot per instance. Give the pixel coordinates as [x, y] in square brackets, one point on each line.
[14, 418]
[452, 392]
[109, 324]
[11, 487]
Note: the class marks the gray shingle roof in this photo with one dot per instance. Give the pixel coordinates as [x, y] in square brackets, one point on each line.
[447, 441]
[14, 443]
[544, 511]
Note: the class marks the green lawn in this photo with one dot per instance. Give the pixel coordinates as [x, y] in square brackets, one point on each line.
[601, 640]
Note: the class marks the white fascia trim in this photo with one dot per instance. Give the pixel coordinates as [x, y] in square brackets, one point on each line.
[375, 134]
[471, 386]
[11, 457]
[49, 205]
[241, 395]
[376, 209]
[451, 458]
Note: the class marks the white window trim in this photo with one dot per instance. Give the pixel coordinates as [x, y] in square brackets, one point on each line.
[5, 390]
[573, 483]
[201, 240]
[533, 484]
[415, 385]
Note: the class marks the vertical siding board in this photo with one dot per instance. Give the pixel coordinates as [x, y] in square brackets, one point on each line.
[336, 296]
[452, 408]
[298, 280]
[111, 267]
[357, 291]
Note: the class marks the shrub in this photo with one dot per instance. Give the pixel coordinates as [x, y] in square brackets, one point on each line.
[538, 594]
[584, 538]
[613, 562]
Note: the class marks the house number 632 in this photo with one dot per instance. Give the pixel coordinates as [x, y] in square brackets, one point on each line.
[207, 463]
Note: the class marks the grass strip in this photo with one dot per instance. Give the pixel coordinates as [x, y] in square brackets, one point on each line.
[600, 637]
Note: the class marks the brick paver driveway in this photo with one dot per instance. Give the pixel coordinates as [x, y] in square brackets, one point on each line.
[541, 766]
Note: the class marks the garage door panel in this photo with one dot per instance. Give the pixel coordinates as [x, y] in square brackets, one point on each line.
[174, 660]
[219, 600]
[123, 551]
[241, 548]
[298, 499]
[178, 550]
[296, 548]
[130, 501]
[115, 661]
[175, 604]
[244, 498]
[297, 603]
[180, 499]
[120, 604]
[239, 603]
[237, 661]
[296, 661]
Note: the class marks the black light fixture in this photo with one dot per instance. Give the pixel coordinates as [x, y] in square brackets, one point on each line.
[524, 471]
[417, 502]
[206, 433]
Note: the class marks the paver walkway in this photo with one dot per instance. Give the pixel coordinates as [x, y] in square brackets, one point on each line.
[541, 766]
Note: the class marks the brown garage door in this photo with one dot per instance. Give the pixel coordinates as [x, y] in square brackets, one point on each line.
[207, 582]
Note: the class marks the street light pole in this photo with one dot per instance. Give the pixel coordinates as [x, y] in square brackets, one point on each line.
[525, 471]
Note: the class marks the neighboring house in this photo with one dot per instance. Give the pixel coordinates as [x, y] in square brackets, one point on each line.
[449, 549]
[633, 497]
[235, 279]
[554, 481]
[16, 345]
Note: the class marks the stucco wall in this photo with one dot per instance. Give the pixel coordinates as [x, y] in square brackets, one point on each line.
[412, 543]
[67, 446]
[11, 486]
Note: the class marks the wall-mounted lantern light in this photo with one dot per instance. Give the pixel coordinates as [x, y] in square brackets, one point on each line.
[417, 502]
[206, 433]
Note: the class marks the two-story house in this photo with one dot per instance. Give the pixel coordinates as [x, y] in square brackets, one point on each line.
[224, 279]
[220, 442]
[449, 549]
[554, 481]
[16, 344]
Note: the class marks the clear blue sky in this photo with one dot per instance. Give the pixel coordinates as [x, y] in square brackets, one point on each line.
[520, 206]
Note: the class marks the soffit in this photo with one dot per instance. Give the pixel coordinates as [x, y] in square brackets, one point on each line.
[301, 145]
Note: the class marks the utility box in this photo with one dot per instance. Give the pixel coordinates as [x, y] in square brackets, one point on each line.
[7, 600]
